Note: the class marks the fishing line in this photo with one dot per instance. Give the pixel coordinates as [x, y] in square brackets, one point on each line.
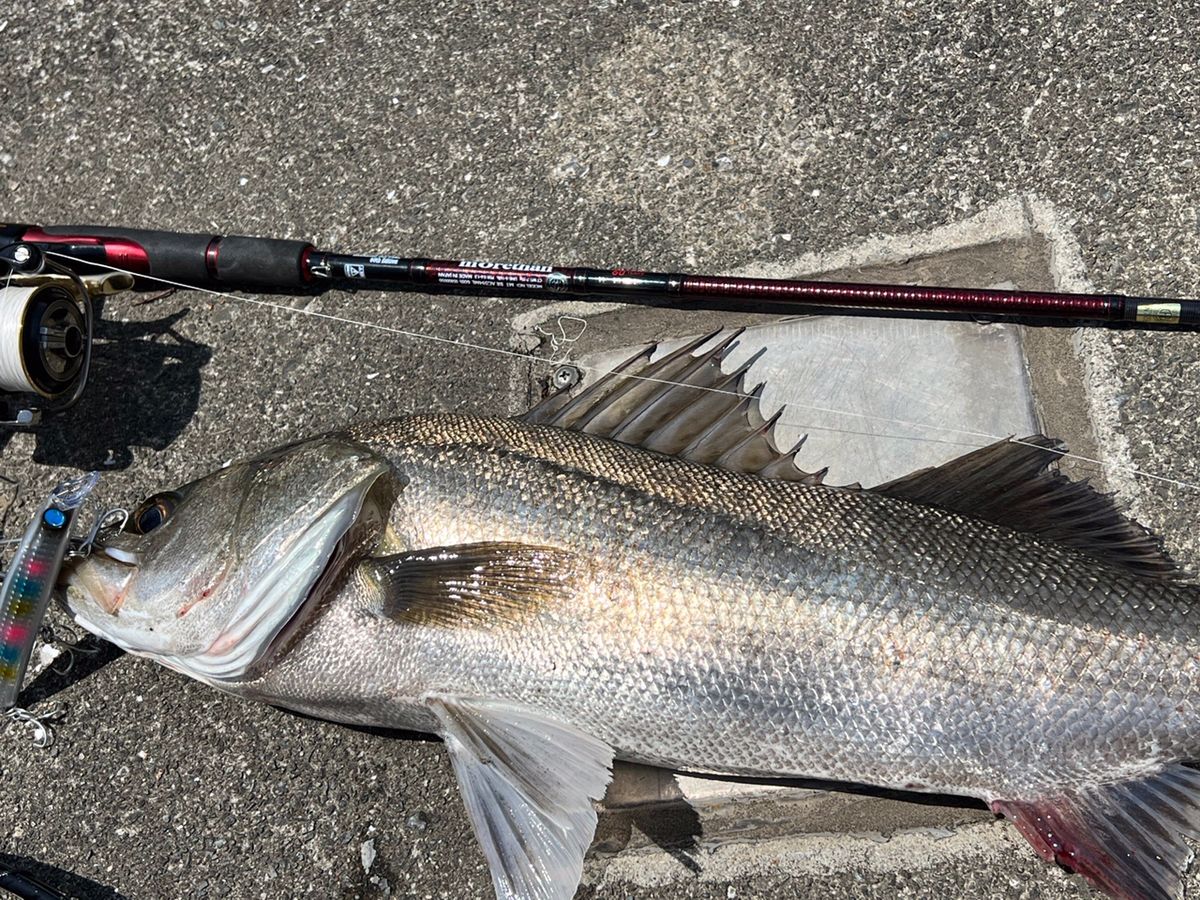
[13, 308]
[11, 320]
[600, 372]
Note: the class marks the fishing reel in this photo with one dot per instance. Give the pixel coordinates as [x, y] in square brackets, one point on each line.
[46, 325]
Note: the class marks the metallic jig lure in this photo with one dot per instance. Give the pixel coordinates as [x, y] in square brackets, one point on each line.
[29, 581]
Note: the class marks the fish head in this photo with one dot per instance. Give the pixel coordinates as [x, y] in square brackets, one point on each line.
[212, 577]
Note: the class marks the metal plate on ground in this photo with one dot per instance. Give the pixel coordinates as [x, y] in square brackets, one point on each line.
[879, 398]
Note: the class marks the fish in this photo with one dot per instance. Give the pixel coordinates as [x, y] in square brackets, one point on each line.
[636, 571]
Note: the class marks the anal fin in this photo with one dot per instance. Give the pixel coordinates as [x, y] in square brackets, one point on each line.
[528, 782]
[1125, 838]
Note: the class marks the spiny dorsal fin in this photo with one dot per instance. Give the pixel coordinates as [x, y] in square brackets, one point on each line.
[683, 405]
[472, 584]
[1008, 483]
[1125, 838]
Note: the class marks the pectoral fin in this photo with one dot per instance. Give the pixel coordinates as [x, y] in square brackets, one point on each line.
[528, 782]
[473, 584]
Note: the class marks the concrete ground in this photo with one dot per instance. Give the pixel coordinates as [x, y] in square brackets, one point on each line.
[705, 136]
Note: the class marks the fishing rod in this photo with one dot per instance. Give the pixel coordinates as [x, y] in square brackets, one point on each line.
[49, 275]
[268, 265]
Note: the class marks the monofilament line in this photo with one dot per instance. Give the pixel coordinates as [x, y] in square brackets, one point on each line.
[256, 300]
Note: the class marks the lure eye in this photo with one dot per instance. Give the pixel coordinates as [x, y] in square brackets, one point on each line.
[153, 512]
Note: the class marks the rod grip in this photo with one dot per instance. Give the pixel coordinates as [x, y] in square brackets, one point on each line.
[267, 264]
[230, 262]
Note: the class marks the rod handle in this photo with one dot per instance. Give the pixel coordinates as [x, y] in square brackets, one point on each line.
[220, 262]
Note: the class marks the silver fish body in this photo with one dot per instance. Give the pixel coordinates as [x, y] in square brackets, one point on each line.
[638, 573]
[729, 623]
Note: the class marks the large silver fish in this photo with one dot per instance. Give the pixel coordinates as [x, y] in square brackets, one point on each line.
[637, 573]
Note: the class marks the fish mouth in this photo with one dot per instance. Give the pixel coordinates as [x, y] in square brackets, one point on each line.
[83, 584]
[93, 590]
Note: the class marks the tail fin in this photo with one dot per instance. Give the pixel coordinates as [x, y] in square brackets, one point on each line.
[1125, 838]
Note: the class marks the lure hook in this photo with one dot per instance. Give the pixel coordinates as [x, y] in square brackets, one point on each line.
[110, 520]
[43, 733]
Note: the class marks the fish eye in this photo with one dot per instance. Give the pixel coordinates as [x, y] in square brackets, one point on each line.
[153, 512]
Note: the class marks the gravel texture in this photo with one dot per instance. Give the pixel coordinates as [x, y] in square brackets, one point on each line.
[702, 135]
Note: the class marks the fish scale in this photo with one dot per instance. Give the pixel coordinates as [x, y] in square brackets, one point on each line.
[786, 646]
[548, 599]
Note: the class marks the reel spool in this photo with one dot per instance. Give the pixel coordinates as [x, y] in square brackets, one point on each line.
[43, 340]
[46, 340]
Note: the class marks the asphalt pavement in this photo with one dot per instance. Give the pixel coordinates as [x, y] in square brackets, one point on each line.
[678, 136]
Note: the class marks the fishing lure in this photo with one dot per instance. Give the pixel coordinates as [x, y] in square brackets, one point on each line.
[29, 581]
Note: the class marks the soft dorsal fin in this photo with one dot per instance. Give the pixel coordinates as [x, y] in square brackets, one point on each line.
[683, 405]
[1008, 483]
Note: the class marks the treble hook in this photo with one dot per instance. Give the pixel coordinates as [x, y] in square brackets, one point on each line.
[71, 646]
[110, 520]
[43, 734]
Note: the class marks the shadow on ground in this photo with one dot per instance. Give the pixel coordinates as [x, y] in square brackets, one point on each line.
[650, 801]
[82, 658]
[143, 389]
[18, 872]
[670, 822]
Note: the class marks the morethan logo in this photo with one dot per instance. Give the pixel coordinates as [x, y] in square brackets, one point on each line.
[503, 266]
